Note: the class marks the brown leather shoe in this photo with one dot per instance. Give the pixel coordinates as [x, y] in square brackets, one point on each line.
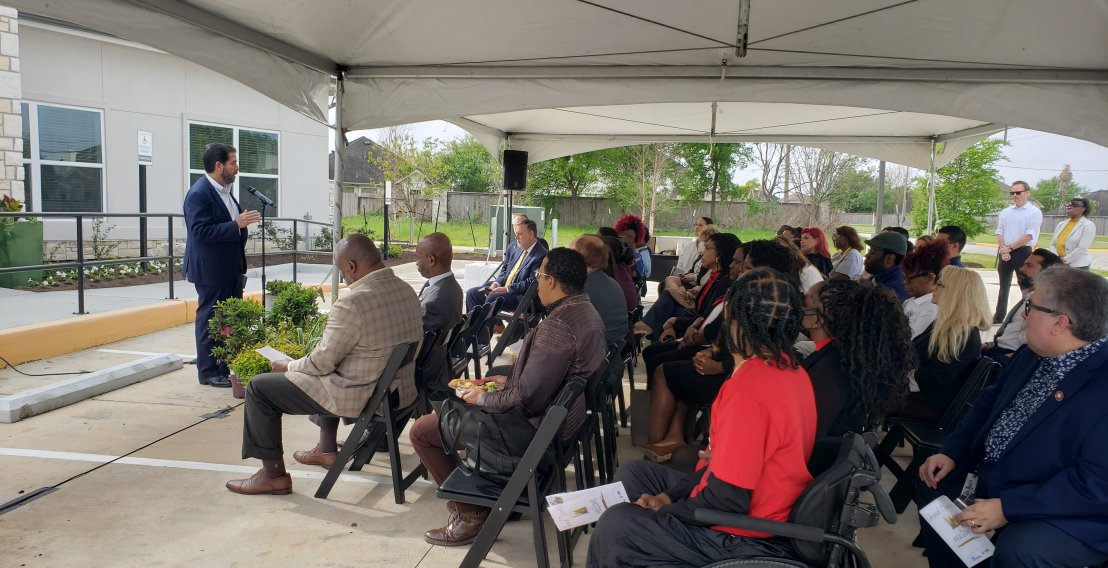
[261, 484]
[460, 530]
[316, 457]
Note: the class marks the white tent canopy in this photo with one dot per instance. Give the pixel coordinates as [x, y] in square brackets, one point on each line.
[883, 79]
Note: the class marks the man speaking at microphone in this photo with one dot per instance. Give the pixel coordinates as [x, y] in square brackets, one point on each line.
[215, 250]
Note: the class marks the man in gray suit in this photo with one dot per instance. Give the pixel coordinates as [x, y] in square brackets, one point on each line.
[440, 301]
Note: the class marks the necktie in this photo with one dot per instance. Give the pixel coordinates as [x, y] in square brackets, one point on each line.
[515, 269]
[425, 285]
[1008, 319]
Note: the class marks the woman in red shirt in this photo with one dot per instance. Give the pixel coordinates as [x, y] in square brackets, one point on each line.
[762, 432]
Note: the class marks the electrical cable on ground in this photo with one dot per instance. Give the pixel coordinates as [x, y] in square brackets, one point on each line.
[13, 367]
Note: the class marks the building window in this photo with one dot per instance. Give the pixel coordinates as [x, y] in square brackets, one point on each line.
[63, 158]
[257, 155]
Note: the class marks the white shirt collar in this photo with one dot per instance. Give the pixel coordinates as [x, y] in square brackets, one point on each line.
[222, 189]
[924, 299]
[436, 279]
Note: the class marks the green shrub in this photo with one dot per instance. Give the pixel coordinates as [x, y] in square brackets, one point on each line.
[275, 287]
[248, 364]
[236, 324]
[395, 251]
[295, 305]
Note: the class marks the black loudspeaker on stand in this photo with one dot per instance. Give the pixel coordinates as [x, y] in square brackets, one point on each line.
[515, 179]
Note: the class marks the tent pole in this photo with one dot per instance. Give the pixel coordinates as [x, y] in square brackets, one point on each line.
[879, 218]
[340, 151]
[931, 212]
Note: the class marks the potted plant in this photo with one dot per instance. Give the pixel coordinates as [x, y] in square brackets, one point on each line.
[236, 325]
[249, 363]
[273, 288]
[20, 244]
[295, 305]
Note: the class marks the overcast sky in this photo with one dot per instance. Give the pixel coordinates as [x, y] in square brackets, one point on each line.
[1032, 155]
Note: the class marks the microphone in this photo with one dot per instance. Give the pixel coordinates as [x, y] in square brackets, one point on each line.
[261, 196]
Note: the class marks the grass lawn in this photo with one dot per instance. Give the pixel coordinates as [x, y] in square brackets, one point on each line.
[988, 262]
[462, 234]
[1099, 241]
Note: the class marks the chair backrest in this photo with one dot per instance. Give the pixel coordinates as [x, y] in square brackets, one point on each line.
[822, 503]
[432, 338]
[518, 324]
[458, 334]
[402, 355]
[597, 386]
[484, 323]
[983, 374]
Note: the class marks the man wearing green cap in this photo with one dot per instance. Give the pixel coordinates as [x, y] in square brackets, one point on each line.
[886, 250]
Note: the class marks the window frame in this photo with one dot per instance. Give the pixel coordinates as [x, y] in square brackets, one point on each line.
[235, 130]
[35, 162]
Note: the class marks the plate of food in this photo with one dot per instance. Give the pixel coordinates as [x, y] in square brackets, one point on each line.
[462, 385]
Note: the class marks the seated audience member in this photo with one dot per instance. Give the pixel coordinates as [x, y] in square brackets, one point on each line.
[632, 231]
[1009, 337]
[568, 342]
[1036, 438]
[904, 233]
[516, 274]
[1073, 237]
[603, 291]
[863, 358]
[790, 232]
[921, 269]
[763, 428]
[440, 301]
[685, 287]
[689, 251]
[607, 232]
[339, 375]
[886, 250]
[668, 314]
[809, 275]
[956, 241]
[619, 265]
[693, 370]
[813, 243]
[847, 263]
[950, 347]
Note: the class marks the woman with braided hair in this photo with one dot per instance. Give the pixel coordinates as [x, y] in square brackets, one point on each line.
[863, 355]
[762, 432]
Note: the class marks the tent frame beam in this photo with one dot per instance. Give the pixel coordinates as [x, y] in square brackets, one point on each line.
[801, 140]
[734, 72]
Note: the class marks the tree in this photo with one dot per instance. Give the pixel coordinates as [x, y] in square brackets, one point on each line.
[708, 169]
[771, 159]
[966, 189]
[1048, 193]
[468, 166]
[567, 176]
[414, 169]
[637, 177]
[818, 176]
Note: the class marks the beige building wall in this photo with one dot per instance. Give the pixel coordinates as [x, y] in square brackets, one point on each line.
[11, 91]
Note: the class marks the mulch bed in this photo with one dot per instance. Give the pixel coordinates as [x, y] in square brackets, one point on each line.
[251, 261]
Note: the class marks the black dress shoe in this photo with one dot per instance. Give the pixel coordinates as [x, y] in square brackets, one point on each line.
[218, 382]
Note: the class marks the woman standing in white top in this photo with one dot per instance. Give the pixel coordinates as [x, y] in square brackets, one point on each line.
[847, 263]
[1073, 237]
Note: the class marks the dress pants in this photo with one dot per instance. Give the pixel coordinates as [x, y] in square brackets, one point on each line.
[427, 441]
[1005, 269]
[475, 297]
[207, 297]
[629, 535]
[1031, 543]
[268, 397]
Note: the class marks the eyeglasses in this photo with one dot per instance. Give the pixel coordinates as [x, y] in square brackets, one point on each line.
[811, 312]
[1014, 193]
[539, 273]
[709, 247]
[1029, 306]
[940, 284]
[1074, 206]
[914, 276]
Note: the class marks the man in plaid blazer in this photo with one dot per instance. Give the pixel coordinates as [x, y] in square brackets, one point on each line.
[337, 379]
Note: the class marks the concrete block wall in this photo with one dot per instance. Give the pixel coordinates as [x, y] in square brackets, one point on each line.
[11, 122]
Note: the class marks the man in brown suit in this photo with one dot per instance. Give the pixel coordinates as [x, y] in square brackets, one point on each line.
[379, 312]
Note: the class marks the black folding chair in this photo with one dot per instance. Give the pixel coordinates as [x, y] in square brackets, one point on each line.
[526, 489]
[631, 354]
[601, 428]
[457, 350]
[433, 339]
[480, 338]
[826, 517]
[525, 316]
[926, 438]
[370, 427]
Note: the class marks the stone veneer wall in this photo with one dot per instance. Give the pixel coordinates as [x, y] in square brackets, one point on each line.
[11, 91]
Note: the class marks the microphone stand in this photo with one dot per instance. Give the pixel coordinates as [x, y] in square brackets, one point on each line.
[263, 247]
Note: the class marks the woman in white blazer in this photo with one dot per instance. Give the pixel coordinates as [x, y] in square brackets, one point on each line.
[1074, 249]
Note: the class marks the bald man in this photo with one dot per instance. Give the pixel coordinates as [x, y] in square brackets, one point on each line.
[603, 291]
[378, 312]
[441, 302]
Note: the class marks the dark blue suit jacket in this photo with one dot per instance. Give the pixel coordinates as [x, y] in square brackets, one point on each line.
[215, 251]
[526, 274]
[1056, 468]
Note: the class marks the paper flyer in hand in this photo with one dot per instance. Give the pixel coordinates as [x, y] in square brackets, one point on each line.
[583, 507]
[971, 548]
[271, 354]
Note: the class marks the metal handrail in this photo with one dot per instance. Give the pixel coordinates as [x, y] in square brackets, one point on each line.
[80, 264]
